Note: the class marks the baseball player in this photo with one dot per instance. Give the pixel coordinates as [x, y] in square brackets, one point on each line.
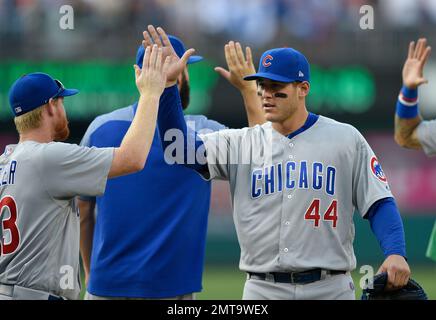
[39, 256]
[160, 254]
[295, 183]
[410, 130]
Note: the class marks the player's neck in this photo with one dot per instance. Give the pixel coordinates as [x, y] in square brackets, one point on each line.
[293, 123]
[37, 135]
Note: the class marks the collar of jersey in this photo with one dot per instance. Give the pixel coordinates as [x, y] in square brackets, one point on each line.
[310, 121]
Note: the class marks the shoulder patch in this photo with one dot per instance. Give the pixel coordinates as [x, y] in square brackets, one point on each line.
[377, 169]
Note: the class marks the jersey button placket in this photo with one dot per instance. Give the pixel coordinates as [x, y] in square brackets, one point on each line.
[291, 146]
[287, 223]
[292, 157]
[284, 226]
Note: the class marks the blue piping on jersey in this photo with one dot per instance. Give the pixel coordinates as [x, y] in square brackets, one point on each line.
[310, 121]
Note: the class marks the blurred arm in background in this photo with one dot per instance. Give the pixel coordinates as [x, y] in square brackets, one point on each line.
[410, 130]
[407, 119]
[87, 223]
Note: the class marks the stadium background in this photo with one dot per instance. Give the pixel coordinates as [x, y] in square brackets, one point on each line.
[356, 75]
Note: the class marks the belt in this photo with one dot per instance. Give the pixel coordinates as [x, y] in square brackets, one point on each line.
[8, 290]
[303, 277]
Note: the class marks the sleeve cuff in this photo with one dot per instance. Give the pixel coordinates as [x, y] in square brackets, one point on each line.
[407, 104]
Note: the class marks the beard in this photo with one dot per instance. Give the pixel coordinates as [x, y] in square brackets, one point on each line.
[184, 92]
[62, 131]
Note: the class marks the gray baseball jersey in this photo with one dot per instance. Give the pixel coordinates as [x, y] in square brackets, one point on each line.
[294, 198]
[39, 221]
[427, 136]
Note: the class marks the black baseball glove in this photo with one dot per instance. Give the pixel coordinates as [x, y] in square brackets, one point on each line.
[412, 291]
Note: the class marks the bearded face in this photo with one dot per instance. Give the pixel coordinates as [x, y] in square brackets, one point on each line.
[61, 129]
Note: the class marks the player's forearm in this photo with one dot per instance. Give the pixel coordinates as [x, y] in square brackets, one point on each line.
[253, 106]
[130, 157]
[170, 115]
[139, 137]
[405, 132]
[387, 226]
[407, 119]
[87, 223]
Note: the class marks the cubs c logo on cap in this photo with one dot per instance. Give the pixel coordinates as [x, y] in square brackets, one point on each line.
[267, 61]
[377, 170]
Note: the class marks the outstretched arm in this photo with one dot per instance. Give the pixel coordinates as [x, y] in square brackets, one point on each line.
[131, 155]
[170, 116]
[407, 118]
[239, 67]
[171, 123]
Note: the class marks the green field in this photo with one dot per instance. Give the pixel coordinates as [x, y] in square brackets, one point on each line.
[226, 283]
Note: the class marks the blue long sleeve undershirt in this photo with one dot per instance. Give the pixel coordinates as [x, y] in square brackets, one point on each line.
[387, 226]
[170, 116]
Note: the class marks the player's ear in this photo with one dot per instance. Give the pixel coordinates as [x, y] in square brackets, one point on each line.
[51, 106]
[303, 89]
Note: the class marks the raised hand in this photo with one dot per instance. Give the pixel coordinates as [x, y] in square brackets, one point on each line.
[239, 66]
[413, 70]
[176, 64]
[153, 76]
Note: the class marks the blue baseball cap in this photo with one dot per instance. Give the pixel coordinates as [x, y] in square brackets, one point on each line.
[34, 90]
[178, 46]
[283, 65]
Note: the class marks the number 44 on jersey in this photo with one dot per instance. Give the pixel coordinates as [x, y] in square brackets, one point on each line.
[313, 213]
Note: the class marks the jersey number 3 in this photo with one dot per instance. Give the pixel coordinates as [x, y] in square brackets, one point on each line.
[331, 214]
[10, 224]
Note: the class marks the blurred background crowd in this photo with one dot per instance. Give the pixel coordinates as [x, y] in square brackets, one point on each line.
[356, 76]
[108, 28]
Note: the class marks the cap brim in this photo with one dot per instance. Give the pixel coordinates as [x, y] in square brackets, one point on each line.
[270, 76]
[68, 92]
[194, 59]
